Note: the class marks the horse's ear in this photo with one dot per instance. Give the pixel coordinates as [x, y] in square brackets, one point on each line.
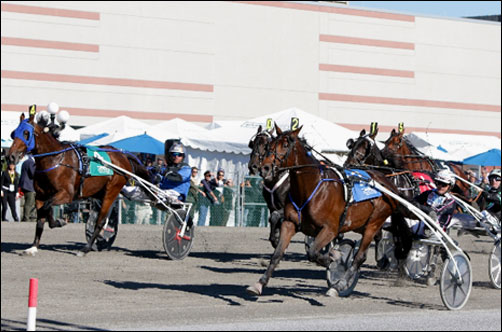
[350, 143]
[362, 133]
[259, 130]
[296, 132]
[277, 129]
[393, 133]
[21, 118]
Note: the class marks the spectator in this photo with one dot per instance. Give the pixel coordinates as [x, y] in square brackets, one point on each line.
[228, 198]
[10, 186]
[208, 198]
[218, 184]
[193, 192]
[26, 185]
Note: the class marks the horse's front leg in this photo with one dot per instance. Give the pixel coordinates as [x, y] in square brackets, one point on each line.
[288, 229]
[42, 214]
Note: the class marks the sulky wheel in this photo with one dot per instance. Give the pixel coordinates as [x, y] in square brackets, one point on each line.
[110, 229]
[384, 252]
[177, 247]
[344, 252]
[417, 262]
[455, 286]
[494, 265]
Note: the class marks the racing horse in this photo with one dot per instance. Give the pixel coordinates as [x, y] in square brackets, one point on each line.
[402, 154]
[318, 205]
[275, 190]
[59, 178]
[364, 153]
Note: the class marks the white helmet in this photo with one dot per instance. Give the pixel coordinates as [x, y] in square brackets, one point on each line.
[177, 148]
[495, 173]
[445, 176]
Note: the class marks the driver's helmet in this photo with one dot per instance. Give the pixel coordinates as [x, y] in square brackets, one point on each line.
[175, 149]
[494, 173]
[445, 176]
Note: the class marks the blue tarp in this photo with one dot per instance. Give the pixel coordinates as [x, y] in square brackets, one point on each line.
[141, 143]
[488, 158]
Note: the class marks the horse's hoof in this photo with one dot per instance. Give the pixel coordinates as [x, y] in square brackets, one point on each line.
[255, 290]
[332, 292]
[81, 253]
[30, 251]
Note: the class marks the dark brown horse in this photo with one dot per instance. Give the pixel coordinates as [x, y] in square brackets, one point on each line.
[403, 155]
[320, 191]
[59, 178]
[275, 191]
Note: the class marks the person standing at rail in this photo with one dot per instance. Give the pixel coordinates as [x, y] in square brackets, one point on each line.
[10, 185]
[26, 185]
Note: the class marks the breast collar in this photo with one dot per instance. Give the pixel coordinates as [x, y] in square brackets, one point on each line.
[274, 188]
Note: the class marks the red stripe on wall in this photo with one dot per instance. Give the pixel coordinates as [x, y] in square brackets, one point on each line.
[36, 10]
[106, 81]
[50, 44]
[333, 10]
[366, 42]
[367, 70]
[114, 113]
[358, 127]
[408, 102]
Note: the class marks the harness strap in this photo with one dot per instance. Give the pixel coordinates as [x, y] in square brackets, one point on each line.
[299, 209]
[277, 185]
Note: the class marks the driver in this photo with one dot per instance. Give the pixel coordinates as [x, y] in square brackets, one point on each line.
[492, 193]
[176, 180]
[438, 203]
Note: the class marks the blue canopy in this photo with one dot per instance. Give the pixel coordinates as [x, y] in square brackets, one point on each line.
[488, 158]
[92, 138]
[141, 143]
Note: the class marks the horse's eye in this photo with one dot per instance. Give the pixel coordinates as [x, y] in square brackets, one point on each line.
[26, 134]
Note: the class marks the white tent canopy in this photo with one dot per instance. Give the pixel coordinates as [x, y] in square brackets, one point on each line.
[458, 147]
[320, 133]
[119, 125]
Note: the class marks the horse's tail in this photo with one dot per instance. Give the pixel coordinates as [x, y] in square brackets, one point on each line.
[402, 235]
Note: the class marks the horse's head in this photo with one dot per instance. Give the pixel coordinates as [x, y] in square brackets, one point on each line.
[280, 154]
[364, 151]
[23, 138]
[396, 147]
[258, 144]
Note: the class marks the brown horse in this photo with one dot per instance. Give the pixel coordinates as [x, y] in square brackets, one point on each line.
[275, 191]
[59, 178]
[403, 155]
[321, 193]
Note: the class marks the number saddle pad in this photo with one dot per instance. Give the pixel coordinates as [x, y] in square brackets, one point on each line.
[96, 168]
[361, 190]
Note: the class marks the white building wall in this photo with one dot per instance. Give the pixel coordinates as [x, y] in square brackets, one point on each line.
[236, 60]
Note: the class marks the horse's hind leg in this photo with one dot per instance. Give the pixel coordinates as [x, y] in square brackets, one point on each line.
[108, 200]
[288, 229]
[371, 229]
[322, 239]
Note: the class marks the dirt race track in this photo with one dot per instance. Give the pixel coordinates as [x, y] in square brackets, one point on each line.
[135, 287]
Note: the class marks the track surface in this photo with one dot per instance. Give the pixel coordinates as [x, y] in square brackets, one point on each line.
[134, 286]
